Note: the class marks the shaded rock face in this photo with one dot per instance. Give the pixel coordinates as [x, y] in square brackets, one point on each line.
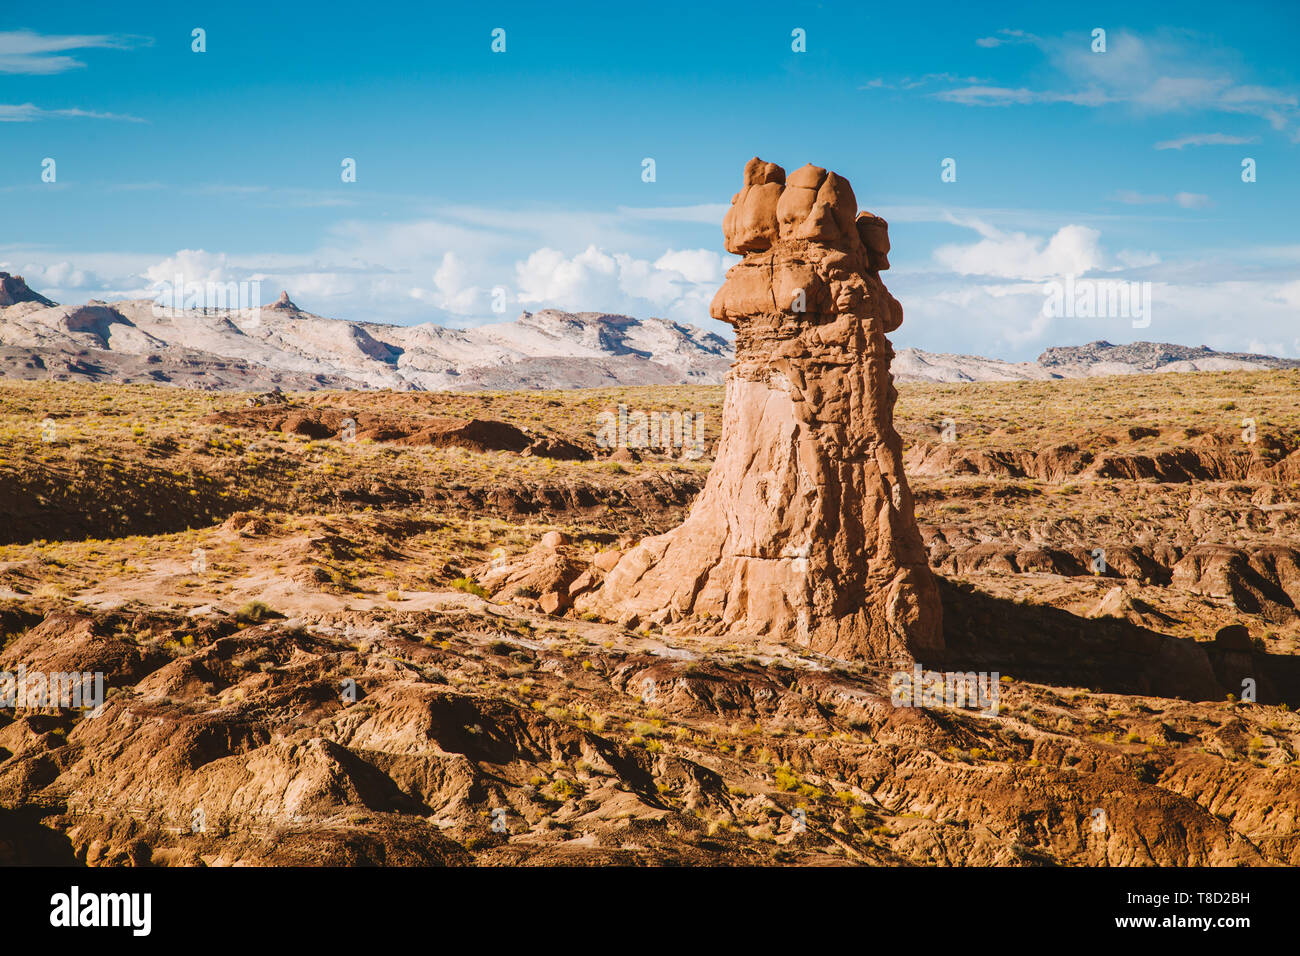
[805, 528]
[14, 290]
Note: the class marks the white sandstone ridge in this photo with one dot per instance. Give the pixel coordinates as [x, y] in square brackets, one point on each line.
[1079, 361]
[280, 344]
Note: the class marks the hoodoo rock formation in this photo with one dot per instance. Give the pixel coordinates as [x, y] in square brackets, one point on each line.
[805, 530]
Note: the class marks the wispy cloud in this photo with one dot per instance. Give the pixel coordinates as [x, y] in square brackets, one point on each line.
[23, 51]
[1164, 73]
[914, 82]
[29, 112]
[1007, 96]
[1134, 198]
[1006, 38]
[1206, 139]
[1185, 200]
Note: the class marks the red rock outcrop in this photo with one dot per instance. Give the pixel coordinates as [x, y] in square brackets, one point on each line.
[805, 528]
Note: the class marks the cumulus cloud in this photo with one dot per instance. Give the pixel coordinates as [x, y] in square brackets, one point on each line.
[457, 274]
[457, 291]
[59, 278]
[677, 285]
[980, 293]
[1071, 250]
[192, 265]
[986, 297]
[948, 313]
[695, 265]
[59, 275]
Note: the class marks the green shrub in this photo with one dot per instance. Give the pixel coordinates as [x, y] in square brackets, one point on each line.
[255, 612]
[469, 586]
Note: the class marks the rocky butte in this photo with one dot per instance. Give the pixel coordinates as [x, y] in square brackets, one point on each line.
[804, 531]
[14, 290]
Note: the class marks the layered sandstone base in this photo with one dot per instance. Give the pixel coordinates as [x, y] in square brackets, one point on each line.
[805, 529]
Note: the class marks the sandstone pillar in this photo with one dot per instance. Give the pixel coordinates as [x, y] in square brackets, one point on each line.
[804, 531]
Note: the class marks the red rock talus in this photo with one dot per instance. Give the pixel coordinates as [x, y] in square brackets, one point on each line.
[805, 529]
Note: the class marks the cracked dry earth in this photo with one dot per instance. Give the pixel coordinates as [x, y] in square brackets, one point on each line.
[303, 665]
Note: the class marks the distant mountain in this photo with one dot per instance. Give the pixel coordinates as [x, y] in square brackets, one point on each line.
[131, 341]
[1155, 357]
[914, 365]
[1079, 361]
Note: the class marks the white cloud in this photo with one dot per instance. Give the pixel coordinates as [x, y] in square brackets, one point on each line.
[1020, 96]
[1007, 37]
[982, 294]
[1265, 348]
[22, 51]
[953, 314]
[28, 112]
[447, 271]
[1133, 198]
[676, 285]
[1249, 301]
[1206, 139]
[987, 296]
[54, 279]
[1072, 250]
[914, 82]
[1289, 295]
[1185, 200]
[695, 265]
[1137, 258]
[457, 291]
[193, 265]
[1159, 73]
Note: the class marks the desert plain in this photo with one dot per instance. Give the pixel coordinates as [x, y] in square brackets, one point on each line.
[335, 627]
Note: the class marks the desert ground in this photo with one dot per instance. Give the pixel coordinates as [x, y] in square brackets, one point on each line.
[317, 650]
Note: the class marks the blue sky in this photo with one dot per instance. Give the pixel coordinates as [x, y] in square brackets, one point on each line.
[522, 170]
